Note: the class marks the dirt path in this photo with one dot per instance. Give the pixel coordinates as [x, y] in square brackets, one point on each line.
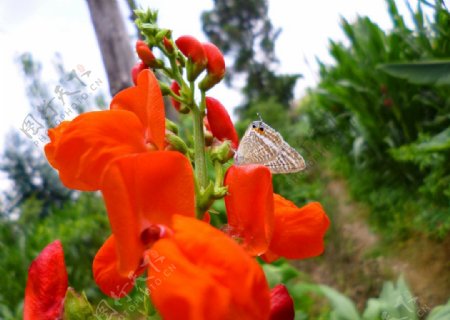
[352, 266]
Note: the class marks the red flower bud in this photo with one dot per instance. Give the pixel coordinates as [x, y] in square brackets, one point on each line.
[193, 49]
[387, 102]
[281, 304]
[215, 66]
[138, 67]
[220, 122]
[46, 284]
[175, 87]
[145, 54]
[168, 45]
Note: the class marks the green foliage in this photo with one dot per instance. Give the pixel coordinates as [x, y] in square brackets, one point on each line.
[394, 302]
[390, 135]
[343, 307]
[434, 72]
[440, 312]
[82, 227]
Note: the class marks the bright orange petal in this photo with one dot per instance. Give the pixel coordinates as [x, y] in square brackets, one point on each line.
[298, 232]
[106, 274]
[143, 190]
[46, 284]
[206, 275]
[249, 206]
[105, 271]
[146, 101]
[82, 148]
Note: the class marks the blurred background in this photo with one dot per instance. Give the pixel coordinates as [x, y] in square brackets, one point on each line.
[360, 88]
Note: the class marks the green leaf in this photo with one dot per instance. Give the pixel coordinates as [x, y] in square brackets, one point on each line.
[343, 307]
[440, 312]
[76, 306]
[414, 151]
[395, 301]
[425, 72]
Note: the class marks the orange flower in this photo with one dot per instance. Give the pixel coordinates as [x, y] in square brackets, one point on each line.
[268, 224]
[200, 273]
[141, 192]
[298, 232]
[46, 284]
[83, 148]
[249, 206]
[137, 68]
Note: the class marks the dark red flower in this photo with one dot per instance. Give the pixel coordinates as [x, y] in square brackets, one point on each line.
[220, 122]
[281, 304]
[46, 284]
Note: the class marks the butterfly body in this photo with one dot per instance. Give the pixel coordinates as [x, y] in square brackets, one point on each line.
[262, 144]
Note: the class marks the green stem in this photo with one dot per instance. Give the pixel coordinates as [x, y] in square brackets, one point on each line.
[199, 150]
[218, 168]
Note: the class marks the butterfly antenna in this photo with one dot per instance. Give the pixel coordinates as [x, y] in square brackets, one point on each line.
[259, 116]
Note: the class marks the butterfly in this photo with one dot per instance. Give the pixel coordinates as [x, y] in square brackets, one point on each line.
[262, 144]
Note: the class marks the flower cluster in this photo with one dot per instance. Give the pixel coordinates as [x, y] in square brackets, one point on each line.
[157, 193]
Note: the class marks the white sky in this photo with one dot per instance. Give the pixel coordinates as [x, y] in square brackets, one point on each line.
[44, 27]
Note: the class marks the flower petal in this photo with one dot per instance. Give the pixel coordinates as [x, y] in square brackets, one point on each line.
[82, 148]
[281, 304]
[106, 274]
[143, 190]
[46, 284]
[220, 122]
[206, 275]
[146, 101]
[249, 206]
[298, 232]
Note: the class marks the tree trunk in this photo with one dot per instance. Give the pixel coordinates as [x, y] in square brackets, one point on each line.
[114, 43]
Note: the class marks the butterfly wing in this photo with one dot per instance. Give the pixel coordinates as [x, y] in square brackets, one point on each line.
[254, 148]
[268, 147]
[288, 160]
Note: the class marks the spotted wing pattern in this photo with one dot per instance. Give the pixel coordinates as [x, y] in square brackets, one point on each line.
[262, 144]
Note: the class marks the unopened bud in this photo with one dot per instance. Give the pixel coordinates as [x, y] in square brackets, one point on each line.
[193, 50]
[171, 126]
[215, 67]
[222, 152]
[177, 143]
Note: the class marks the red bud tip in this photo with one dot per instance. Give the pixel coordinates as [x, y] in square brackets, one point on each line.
[46, 285]
[168, 45]
[220, 122]
[175, 87]
[215, 67]
[193, 49]
[281, 304]
[216, 62]
[138, 67]
[144, 53]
